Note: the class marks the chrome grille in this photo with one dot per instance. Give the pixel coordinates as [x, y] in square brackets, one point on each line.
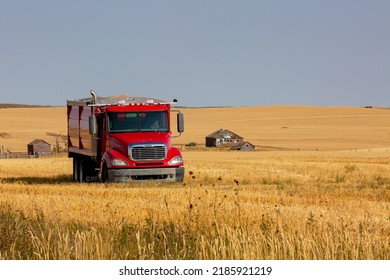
[141, 152]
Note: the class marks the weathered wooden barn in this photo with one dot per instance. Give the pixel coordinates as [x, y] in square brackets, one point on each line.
[39, 147]
[223, 137]
[244, 146]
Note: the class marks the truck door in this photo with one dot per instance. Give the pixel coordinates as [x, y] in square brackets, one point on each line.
[102, 124]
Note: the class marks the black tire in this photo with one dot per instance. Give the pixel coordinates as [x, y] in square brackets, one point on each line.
[82, 173]
[104, 173]
[76, 164]
[87, 171]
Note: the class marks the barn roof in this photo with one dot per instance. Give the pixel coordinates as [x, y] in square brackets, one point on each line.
[37, 141]
[239, 146]
[224, 133]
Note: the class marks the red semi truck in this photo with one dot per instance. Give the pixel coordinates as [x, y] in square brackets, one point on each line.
[123, 139]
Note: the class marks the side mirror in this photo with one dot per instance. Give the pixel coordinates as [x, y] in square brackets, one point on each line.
[180, 122]
[93, 126]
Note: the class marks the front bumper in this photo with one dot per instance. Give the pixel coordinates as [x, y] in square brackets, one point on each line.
[172, 174]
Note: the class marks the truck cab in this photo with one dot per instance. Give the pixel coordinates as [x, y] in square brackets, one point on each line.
[123, 139]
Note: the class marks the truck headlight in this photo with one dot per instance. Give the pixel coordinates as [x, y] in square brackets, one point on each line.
[118, 162]
[176, 160]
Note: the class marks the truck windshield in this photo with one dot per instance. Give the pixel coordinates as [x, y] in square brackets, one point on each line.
[138, 121]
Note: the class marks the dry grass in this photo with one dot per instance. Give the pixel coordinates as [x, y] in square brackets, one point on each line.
[232, 205]
[294, 204]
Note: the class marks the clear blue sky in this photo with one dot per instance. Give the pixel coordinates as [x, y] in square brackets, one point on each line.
[202, 52]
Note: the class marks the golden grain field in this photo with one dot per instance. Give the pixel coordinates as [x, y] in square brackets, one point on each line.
[253, 205]
[327, 196]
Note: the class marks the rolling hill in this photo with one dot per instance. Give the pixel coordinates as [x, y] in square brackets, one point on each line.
[267, 127]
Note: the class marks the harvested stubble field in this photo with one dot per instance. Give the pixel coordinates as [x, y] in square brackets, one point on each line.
[293, 204]
[267, 127]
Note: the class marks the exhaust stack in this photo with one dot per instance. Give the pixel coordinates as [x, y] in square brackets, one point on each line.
[94, 97]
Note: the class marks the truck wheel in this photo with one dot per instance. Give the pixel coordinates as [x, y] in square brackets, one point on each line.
[81, 171]
[104, 173]
[76, 164]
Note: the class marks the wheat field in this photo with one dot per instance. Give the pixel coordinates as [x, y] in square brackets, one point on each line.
[326, 196]
[267, 127]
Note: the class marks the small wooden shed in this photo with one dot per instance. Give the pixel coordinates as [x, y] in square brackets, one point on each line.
[223, 137]
[39, 147]
[244, 146]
